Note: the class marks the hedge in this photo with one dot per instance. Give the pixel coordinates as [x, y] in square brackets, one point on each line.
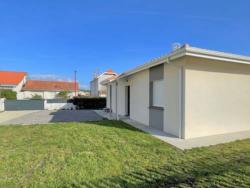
[89, 102]
[7, 94]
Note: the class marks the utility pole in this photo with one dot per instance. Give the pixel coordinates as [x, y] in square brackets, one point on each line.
[75, 83]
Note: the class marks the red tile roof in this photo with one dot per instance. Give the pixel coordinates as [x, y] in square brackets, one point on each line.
[110, 71]
[11, 78]
[38, 85]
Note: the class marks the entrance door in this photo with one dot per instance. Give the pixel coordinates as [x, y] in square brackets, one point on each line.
[127, 90]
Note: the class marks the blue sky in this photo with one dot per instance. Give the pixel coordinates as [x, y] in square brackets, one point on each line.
[55, 37]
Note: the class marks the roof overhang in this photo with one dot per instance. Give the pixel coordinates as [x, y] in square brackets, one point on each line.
[186, 50]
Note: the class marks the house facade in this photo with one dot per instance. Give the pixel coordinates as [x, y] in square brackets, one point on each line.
[96, 88]
[188, 93]
[47, 89]
[12, 80]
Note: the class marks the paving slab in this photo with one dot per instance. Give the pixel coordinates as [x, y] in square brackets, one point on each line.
[46, 116]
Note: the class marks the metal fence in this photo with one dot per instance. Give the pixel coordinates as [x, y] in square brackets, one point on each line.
[13, 105]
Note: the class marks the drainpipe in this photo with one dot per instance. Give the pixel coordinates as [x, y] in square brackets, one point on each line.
[116, 100]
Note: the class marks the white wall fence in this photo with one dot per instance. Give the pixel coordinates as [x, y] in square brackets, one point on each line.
[48, 105]
[1, 104]
[58, 105]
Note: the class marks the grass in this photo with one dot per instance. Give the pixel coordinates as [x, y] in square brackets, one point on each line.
[113, 154]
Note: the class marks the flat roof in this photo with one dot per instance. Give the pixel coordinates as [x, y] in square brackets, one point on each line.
[187, 50]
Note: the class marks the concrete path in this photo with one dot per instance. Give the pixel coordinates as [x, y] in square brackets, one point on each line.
[45, 116]
[183, 143]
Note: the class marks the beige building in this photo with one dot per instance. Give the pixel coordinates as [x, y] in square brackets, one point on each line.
[96, 88]
[47, 89]
[188, 93]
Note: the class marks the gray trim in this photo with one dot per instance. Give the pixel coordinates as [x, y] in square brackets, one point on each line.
[156, 117]
[156, 114]
[156, 107]
[156, 73]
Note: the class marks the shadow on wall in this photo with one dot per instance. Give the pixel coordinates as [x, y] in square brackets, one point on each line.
[207, 171]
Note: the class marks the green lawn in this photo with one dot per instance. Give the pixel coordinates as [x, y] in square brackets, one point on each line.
[113, 154]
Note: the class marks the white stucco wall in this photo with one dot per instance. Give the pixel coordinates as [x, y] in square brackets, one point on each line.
[121, 96]
[58, 106]
[43, 94]
[172, 103]
[96, 88]
[1, 104]
[139, 97]
[113, 107]
[19, 87]
[216, 97]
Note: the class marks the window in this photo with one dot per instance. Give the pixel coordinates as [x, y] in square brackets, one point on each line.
[158, 93]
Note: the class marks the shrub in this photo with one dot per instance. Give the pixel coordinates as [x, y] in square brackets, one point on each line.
[36, 97]
[8, 94]
[63, 94]
[89, 102]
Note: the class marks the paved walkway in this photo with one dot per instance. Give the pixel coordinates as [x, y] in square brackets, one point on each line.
[183, 143]
[45, 116]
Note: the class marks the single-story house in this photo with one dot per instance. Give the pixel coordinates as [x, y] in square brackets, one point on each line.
[12, 80]
[188, 93]
[47, 89]
[96, 88]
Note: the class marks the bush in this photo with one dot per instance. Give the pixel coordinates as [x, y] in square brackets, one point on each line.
[36, 97]
[89, 102]
[62, 94]
[7, 94]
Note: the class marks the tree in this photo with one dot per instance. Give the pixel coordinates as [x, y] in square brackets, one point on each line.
[36, 97]
[63, 94]
[7, 94]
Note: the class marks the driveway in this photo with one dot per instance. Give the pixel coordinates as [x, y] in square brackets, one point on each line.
[45, 116]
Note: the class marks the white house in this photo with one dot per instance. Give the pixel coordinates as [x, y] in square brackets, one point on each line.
[47, 89]
[12, 80]
[96, 88]
[188, 93]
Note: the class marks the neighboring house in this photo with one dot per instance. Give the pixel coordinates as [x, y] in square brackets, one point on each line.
[188, 93]
[47, 89]
[96, 88]
[12, 80]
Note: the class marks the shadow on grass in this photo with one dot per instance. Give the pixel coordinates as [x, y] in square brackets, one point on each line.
[114, 124]
[205, 172]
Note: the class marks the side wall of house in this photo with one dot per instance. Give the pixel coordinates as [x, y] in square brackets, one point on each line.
[121, 96]
[139, 97]
[173, 100]
[216, 97]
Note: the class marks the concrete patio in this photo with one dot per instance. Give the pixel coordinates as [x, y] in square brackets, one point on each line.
[181, 143]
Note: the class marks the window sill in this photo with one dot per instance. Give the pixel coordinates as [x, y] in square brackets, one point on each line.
[156, 107]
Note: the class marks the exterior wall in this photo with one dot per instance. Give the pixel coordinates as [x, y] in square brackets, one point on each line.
[58, 106]
[108, 96]
[173, 101]
[113, 105]
[156, 114]
[216, 97]
[139, 97]
[18, 88]
[1, 104]
[43, 94]
[96, 89]
[121, 96]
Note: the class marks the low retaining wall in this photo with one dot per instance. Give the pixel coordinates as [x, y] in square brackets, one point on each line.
[1, 105]
[58, 105]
